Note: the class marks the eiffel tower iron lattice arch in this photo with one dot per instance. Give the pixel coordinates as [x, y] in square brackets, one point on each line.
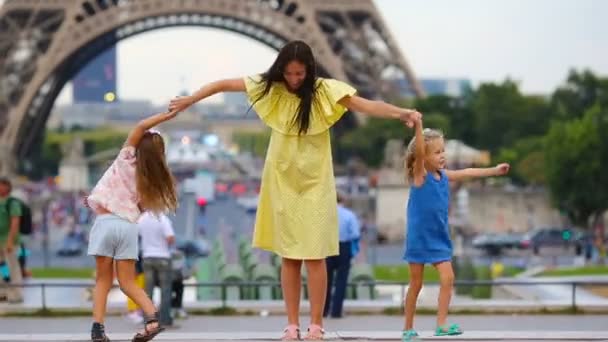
[44, 43]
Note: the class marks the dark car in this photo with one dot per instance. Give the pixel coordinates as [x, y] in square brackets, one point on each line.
[221, 190]
[555, 237]
[189, 252]
[74, 244]
[193, 248]
[495, 243]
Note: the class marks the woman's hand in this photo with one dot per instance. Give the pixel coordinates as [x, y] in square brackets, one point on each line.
[180, 104]
[410, 117]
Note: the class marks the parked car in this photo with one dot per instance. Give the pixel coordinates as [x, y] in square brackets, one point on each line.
[249, 203]
[238, 189]
[199, 248]
[495, 243]
[555, 237]
[189, 252]
[222, 190]
[74, 244]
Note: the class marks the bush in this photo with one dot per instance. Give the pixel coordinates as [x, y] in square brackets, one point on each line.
[464, 271]
[482, 291]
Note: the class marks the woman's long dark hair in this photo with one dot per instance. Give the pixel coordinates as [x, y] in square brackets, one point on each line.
[294, 51]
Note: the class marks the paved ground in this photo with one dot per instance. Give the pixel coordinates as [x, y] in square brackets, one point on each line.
[207, 324]
[353, 328]
[331, 336]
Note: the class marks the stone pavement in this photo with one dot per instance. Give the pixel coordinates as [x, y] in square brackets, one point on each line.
[350, 328]
[333, 336]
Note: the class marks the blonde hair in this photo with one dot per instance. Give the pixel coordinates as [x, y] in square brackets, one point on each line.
[410, 155]
[155, 183]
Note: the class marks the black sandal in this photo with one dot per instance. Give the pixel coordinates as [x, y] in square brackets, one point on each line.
[98, 333]
[151, 333]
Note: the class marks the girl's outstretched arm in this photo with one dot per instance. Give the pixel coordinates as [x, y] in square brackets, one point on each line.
[419, 153]
[138, 131]
[380, 109]
[181, 103]
[458, 175]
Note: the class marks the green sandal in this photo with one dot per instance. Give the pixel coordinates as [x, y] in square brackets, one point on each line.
[451, 330]
[410, 336]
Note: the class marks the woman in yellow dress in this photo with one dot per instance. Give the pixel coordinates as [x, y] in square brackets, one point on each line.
[297, 210]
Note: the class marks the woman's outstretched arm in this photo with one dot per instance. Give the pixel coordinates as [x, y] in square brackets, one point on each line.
[380, 109]
[181, 103]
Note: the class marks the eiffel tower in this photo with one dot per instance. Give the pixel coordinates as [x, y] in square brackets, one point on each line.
[44, 43]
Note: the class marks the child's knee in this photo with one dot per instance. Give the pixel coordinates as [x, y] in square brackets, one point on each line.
[415, 284]
[446, 278]
[104, 279]
[126, 283]
[125, 287]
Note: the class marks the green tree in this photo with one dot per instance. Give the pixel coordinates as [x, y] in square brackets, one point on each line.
[576, 155]
[368, 141]
[581, 91]
[527, 160]
[437, 121]
[254, 142]
[46, 162]
[456, 110]
[77, 128]
[577, 150]
[502, 115]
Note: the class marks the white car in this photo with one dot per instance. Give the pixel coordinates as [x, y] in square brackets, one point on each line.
[249, 203]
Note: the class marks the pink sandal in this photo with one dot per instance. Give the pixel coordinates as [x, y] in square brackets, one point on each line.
[291, 333]
[315, 333]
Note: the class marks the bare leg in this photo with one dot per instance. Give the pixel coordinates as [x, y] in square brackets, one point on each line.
[317, 289]
[125, 270]
[291, 283]
[446, 284]
[413, 290]
[103, 283]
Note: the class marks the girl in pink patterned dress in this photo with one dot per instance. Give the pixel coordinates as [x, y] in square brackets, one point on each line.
[138, 180]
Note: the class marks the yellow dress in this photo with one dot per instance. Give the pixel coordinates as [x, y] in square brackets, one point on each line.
[297, 214]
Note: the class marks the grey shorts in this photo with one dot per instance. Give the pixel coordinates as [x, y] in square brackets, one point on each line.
[113, 237]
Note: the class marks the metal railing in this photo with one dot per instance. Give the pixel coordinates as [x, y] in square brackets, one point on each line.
[224, 286]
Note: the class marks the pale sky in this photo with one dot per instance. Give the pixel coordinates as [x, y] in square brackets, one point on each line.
[532, 42]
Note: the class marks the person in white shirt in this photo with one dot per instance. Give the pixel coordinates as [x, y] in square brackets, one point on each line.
[157, 238]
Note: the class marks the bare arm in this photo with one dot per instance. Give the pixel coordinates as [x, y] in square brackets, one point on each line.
[419, 153]
[380, 109]
[459, 175]
[221, 86]
[138, 131]
[171, 240]
[168, 230]
[13, 232]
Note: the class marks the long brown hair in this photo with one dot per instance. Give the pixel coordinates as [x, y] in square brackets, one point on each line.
[155, 183]
[299, 51]
[410, 156]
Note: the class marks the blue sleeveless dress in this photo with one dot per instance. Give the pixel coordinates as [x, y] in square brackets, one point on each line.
[428, 234]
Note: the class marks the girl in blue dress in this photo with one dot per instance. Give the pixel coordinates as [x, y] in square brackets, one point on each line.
[428, 236]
